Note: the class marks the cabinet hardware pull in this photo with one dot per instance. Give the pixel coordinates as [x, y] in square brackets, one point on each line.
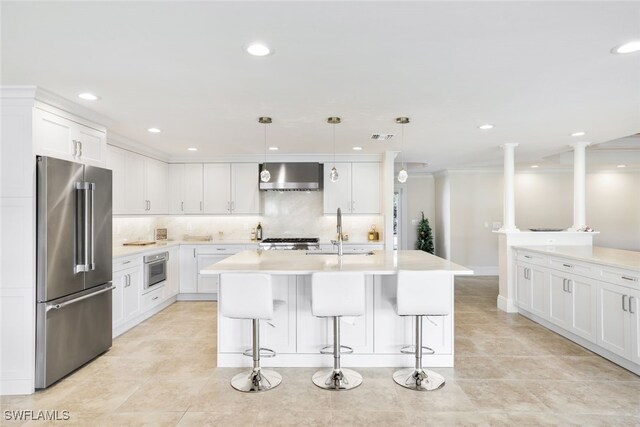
[633, 279]
[194, 252]
[568, 265]
[200, 204]
[528, 256]
[155, 298]
[564, 285]
[631, 299]
[75, 148]
[624, 297]
[233, 206]
[220, 249]
[182, 206]
[126, 262]
[570, 285]
[80, 150]
[228, 206]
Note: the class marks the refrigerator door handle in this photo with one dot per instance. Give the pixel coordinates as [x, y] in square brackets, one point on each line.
[81, 228]
[87, 230]
[91, 188]
[50, 307]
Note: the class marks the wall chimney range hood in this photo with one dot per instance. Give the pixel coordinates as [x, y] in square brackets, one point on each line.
[293, 177]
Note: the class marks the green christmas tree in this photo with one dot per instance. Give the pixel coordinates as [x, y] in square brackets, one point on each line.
[425, 236]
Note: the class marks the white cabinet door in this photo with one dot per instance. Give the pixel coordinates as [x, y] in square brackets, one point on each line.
[208, 284]
[337, 194]
[176, 188]
[188, 270]
[245, 192]
[539, 291]
[560, 303]
[365, 188]
[92, 145]
[117, 162]
[217, 188]
[132, 292]
[583, 296]
[634, 309]
[281, 337]
[173, 273]
[613, 319]
[119, 281]
[156, 177]
[523, 286]
[54, 136]
[134, 195]
[193, 181]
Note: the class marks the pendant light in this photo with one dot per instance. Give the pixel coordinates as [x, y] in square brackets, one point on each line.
[333, 175]
[402, 175]
[265, 175]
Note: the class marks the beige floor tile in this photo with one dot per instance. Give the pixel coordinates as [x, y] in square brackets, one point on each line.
[296, 395]
[501, 395]
[348, 418]
[593, 367]
[293, 418]
[600, 420]
[162, 395]
[449, 398]
[424, 417]
[217, 395]
[372, 395]
[508, 419]
[139, 419]
[219, 419]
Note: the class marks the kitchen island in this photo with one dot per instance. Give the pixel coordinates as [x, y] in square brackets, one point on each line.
[297, 336]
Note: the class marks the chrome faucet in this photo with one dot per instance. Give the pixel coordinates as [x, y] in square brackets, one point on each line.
[339, 230]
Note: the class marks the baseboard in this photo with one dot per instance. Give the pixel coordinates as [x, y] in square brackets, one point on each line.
[237, 360]
[483, 270]
[197, 297]
[507, 305]
[16, 387]
[121, 329]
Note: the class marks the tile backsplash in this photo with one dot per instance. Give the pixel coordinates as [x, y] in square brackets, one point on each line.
[286, 214]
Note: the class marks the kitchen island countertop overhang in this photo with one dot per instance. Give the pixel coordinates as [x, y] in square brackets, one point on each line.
[297, 336]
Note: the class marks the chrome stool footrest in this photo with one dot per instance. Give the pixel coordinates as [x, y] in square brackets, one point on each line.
[268, 353]
[256, 381]
[341, 379]
[344, 349]
[411, 349]
[418, 379]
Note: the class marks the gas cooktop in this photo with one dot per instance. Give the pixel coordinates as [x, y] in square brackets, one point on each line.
[296, 243]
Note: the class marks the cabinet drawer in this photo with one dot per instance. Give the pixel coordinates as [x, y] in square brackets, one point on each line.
[620, 276]
[220, 249]
[152, 298]
[532, 258]
[126, 262]
[571, 266]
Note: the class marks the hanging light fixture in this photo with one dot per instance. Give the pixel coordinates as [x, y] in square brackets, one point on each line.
[402, 175]
[265, 175]
[333, 175]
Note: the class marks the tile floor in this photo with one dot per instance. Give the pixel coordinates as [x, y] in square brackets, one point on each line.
[509, 371]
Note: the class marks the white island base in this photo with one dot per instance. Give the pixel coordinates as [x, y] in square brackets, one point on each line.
[297, 336]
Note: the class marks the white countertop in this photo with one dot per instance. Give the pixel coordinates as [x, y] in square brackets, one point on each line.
[605, 256]
[298, 263]
[121, 251]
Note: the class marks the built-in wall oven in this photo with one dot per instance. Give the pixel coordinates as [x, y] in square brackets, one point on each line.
[155, 270]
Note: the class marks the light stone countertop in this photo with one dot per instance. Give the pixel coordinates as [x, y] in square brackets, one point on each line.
[595, 254]
[299, 263]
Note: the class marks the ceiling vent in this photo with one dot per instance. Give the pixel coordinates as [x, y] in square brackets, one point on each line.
[382, 136]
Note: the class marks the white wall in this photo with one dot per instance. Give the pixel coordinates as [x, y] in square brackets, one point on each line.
[420, 197]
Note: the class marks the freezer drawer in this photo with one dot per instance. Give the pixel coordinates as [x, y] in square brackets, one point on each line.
[71, 331]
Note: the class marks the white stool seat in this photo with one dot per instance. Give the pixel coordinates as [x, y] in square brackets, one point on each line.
[250, 296]
[420, 294]
[337, 294]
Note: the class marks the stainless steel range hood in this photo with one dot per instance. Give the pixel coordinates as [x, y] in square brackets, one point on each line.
[293, 177]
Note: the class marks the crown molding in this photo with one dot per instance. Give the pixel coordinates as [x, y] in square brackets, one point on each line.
[125, 143]
[278, 158]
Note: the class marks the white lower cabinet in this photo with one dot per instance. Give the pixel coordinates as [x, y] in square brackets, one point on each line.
[126, 295]
[188, 269]
[584, 303]
[194, 258]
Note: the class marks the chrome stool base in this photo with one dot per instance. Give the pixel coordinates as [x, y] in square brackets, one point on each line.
[421, 380]
[342, 379]
[256, 380]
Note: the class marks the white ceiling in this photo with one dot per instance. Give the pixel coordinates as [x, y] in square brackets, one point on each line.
[538, 71]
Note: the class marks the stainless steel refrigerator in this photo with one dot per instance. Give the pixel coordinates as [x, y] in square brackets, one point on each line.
[74, 267]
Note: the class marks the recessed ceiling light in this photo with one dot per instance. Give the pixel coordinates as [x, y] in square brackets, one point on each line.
[273, 148]
[88, 96]
[154, 130]
[192, 149]
[357, 148]
[633, 46]
[535, 166]
[259, 49]
[486, 126]
[578, 133]
[622, 166]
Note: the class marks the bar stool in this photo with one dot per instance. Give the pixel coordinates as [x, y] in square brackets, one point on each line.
[250, 296]
[420, 294]
[336, 294]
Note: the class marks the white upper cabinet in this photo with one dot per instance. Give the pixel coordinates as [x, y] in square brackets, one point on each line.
[63, 138]
[245, 191]
[231, 188]
[139, 183]
[185, 188]
[356, 191]
[217, 188]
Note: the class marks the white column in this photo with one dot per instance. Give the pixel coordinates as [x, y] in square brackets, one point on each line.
[509, 209]
[579, 185]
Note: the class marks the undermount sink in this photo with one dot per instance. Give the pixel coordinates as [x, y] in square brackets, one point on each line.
[336, 253]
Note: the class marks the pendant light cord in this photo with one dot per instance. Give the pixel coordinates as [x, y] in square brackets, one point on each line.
[265, 146]
[334, 145]
[402, 146]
